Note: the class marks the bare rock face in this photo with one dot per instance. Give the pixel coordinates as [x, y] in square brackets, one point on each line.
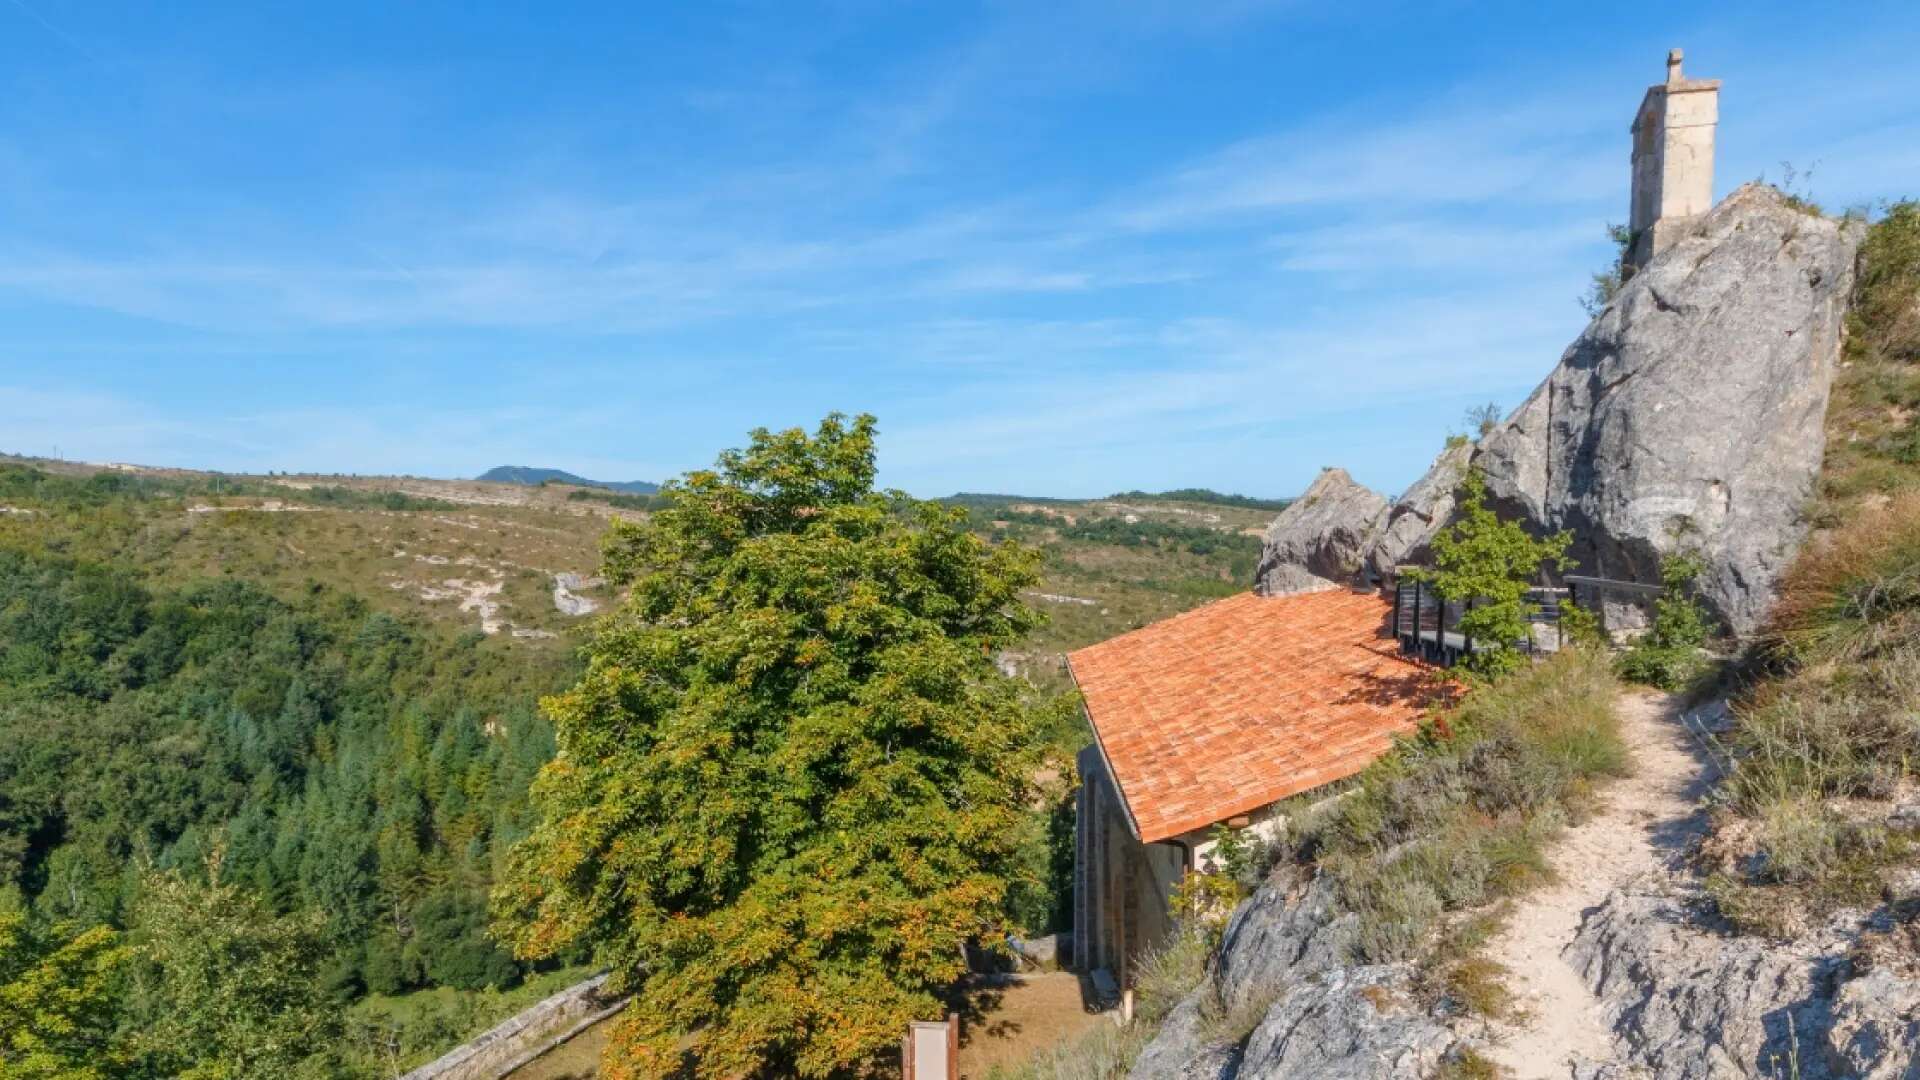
[1401, 536]
[1284, 959]
[1345, 1023]
[1689, 416]
[1340, 528]
[1691, 413]
[1281, 933]
[1876, 1027]
[1687, 1002]
[1323, 532]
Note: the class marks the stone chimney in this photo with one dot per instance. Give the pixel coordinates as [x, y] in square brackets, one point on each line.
[1672, 160]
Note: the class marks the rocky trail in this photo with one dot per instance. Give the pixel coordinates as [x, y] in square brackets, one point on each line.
[1648, 819]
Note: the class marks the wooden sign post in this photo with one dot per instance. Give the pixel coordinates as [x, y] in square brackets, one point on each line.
[931, 1050]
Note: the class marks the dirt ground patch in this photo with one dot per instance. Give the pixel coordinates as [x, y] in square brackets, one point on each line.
[1015, 1019]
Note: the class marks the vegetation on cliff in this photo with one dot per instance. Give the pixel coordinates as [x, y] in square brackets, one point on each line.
[1459, 816]
[1486, 564]
[1825, 740]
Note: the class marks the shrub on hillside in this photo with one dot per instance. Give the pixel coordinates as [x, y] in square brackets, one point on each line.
[1668, 655]
[1488, 564]
[1459, 814]
[1840, 719]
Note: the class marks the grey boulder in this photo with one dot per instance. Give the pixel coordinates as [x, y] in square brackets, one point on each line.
[1690, 415]
[1324, 532]
[1403, 533]
[1284, 960]
[1688, 1002]
[1345, 1023]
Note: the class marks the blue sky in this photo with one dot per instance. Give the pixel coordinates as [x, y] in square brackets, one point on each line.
[1058, 248]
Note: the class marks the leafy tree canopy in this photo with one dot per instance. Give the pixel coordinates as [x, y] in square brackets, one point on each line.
[56, 999]
[1492, 562]
[790, 784]
[223, 989]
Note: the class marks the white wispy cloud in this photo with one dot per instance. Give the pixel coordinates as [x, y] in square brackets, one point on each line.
[364, 438]
[1462, 150]
[1431, 244]
[1386, 254]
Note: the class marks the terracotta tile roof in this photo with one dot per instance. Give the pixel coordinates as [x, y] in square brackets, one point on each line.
[1246, 700]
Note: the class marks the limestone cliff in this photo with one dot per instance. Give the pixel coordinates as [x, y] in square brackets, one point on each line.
[1689, 415]
[1285, 959]
[1688, 1002]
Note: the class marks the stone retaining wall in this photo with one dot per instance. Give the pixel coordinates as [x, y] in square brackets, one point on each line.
[523, 1037]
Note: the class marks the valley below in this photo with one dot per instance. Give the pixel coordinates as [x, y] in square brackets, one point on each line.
[412, 762]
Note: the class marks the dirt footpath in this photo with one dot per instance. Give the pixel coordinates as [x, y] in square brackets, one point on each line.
[1650, 817]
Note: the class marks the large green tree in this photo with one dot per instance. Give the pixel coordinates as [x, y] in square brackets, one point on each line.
[790, 785]
[224, 989]
[56, 999]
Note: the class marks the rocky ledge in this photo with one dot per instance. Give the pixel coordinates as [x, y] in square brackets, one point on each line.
[1688, 1000]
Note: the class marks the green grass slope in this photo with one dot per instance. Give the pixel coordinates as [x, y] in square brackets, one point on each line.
[1827, 734]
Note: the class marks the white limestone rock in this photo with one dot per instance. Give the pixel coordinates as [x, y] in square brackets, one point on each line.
[1688, 1001]
[1401, 535]
[1691, 413]
[1345, 1023]
[1324, 532]
[1285, 954]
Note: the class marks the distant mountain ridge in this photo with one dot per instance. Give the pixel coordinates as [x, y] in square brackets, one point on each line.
[533, 476]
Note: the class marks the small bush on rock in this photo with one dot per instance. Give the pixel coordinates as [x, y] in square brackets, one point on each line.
[1489, 564]
[1668, 656]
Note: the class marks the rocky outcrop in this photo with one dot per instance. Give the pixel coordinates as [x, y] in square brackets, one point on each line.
[1346, 1023]
[1688, 1002]
[1402, 535]
[1324, 532]
[1341, 527]
[1691, 413]
[1283, 932]
[1283, 961]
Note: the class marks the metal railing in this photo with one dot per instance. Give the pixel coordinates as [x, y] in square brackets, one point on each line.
[1427, 625]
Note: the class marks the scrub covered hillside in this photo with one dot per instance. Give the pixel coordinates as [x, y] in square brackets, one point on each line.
[319, 694]
[1825, 745]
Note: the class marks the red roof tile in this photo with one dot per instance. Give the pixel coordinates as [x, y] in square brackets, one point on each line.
[1246, 700]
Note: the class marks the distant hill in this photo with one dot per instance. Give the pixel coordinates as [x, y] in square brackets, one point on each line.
[1206, 495]
[1178, 495]
[531, 476]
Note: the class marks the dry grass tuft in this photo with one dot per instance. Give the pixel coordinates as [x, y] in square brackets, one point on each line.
[1855, 591]
[1467, 1064]
[1837, 719]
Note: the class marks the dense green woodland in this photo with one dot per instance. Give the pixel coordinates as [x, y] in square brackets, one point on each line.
[245, 813]
[331, 761]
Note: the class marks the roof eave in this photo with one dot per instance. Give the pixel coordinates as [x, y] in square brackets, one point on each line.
[1133, 825]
